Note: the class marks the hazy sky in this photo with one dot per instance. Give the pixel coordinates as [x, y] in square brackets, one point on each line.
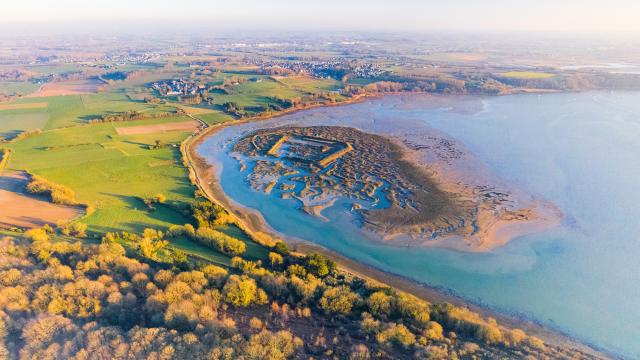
[488, 15]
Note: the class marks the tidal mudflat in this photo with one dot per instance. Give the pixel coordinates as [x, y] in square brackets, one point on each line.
[572, 157]
[402, 201]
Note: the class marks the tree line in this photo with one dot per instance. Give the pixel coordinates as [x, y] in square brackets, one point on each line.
[131, 115]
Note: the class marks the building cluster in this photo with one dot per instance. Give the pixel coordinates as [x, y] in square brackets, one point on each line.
[121, 58]
[179, 87]
[329, 68]
[13, 75]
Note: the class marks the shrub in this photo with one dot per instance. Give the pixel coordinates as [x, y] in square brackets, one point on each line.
[242, 291]
[208, 214]
[151, 243]
[275, 259]
[412, 309]
[359, 352]
[297, 270]
[305, 288]
[37, 235]
[514, 337]
[4, 158]
[380, 304]
[75, 229]
[338, 300]
[112, 237]
[465, 322]
[25, 134]
[57, 194]
[181, 230]
[179, 257]
[281, 248]
[182, 316]
[319, 265]
[256, 323]
[535, 343]
[214, 274]
[433, 331]
[275, 285]
[221, 241]
[397, 334]
[369, 325]
[273, 346]
[132, 115]
[262, 238]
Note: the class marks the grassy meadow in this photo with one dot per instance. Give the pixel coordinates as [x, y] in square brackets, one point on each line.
[111, 172]
[71, 110]
[252, 93]
[19, 87]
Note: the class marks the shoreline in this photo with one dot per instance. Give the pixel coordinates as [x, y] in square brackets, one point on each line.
[252, 222]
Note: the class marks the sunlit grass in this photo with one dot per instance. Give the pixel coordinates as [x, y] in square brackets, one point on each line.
[527, 75]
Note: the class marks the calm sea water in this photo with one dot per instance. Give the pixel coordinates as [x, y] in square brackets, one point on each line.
[579, 151]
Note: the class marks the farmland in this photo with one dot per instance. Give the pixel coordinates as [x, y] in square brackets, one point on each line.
[28, 211]
[21, 87]
[67, 88]
[64, 111]
[112, 174]
[115, 172]
[114, 166]
[527, 75]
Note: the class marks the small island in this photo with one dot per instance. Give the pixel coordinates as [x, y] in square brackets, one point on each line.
[396, 198]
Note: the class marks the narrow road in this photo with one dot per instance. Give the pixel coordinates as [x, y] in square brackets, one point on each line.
[204, 124]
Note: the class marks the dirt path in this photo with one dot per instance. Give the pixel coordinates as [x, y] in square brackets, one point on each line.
[19, 209]
[70, 87]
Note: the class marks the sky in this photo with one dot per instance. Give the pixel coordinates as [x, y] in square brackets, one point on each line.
[553, 16]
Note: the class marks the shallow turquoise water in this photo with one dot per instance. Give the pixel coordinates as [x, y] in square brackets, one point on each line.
[580, 151]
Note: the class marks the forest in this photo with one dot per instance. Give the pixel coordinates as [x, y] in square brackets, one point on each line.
[63, 298]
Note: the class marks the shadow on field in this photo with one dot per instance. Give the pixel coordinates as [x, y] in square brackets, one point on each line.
[185, 187]
[165, 213]
[133, 202]
[104, 229]
[10, 134]
[142, 145]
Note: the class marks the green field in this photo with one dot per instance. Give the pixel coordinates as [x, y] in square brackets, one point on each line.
[55, 68]
[360, 81]
[18, 87]
[13, 122]
[310, 85]
[64, 111]
[252, 93]
[112, 173]
[214, 117]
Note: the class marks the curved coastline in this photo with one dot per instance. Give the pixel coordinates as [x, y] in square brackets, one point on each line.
[205, 175]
